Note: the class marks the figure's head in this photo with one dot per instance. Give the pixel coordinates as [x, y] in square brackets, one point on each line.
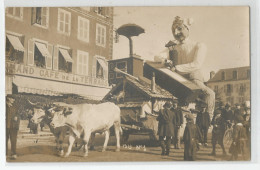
[237, 105]
[181, 28]
[175, 103]
[227, 106]
[167, 105]
[203, 107]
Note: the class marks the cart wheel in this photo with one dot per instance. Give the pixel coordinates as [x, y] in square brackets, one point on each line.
[227, 140]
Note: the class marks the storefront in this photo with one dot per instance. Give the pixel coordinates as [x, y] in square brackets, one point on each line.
[35, 80]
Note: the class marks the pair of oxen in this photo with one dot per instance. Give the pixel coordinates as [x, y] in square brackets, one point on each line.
[81, 120]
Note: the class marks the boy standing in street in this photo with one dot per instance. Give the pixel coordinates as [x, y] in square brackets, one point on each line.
[191, 138]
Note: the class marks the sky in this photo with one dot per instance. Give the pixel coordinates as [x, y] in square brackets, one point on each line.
[224, 30]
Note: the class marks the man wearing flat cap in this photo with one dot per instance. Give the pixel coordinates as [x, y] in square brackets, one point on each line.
[190, 58]
[203, 122]
[191, 138]
[179, 121]
[166, 125]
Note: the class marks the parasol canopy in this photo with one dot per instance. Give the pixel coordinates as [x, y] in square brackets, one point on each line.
[130, 30]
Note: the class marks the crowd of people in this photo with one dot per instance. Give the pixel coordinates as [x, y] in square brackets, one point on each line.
[233, 124]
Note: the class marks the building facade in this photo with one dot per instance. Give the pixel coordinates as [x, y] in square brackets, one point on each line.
[231, 85]
[55, 51]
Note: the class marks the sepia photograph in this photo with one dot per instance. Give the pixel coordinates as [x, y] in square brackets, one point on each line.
[127, 84]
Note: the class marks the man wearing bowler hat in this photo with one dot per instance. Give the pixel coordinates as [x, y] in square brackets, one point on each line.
[179, 121]
[166, 125]
[203, 122]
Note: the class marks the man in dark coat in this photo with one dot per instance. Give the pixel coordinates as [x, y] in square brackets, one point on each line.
[228, 115]
[166, 125]
[218, 131]
[12, 126]
[237, 112]
[179, 122]
[203, 122]
[247, 125]
[191, 138]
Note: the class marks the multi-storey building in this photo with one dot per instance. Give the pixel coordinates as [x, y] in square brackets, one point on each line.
[231, 85]
[55, 51]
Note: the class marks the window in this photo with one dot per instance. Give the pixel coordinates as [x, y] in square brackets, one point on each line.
[229, 88]
[64, 20]
[223, 76]
[14, 50]
[83, 29]
[121, 66]
[235, 75]
[248, 74]
[100, 35]
[102, 11]
[82, 62]
[15, 12]
[216, 89]
[242, 88]
[102, 67]
[241, 99]
[39, 54]
[40, 16]
[64, 59]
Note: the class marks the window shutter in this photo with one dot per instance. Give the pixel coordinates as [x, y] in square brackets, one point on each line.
[33, 15]
[231, 88]
[245, 87]
[225, 88]
[45, 17]
[105, 71]
[49, 59]
[69, 25]
[86, 63]
[55, 58]
[79, 63]
[94, 63]
[30, 59]
[102, 36]
[103, 12]
[59, 20]
[85, 30]
[21, 12]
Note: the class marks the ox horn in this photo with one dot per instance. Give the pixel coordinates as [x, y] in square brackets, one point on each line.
[32, 103]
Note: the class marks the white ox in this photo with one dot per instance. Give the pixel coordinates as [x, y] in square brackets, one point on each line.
[85, 120]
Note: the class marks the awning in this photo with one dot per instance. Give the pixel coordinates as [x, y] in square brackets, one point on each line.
[42, 48]
[66, 55]
[103, 64]
[54, 88]
[16, 43]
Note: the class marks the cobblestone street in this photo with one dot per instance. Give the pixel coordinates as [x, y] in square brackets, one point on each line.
[41, 148]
